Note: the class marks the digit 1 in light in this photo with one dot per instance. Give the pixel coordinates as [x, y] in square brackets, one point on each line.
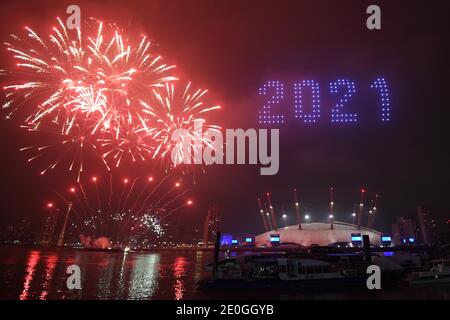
[381, 86]
[265, 115]
[299, 105]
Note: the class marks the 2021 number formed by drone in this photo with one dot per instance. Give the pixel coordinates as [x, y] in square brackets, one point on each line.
[342, 89]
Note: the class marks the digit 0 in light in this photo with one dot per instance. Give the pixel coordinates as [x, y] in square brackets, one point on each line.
[299, 110]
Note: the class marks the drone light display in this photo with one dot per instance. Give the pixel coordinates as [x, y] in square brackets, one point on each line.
[342, 90]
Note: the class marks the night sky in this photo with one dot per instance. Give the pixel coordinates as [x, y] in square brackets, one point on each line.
[232, 48]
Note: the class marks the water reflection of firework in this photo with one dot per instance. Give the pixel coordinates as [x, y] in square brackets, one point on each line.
[124, 209]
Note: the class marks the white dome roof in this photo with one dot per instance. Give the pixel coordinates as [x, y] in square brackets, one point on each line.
[318, 233]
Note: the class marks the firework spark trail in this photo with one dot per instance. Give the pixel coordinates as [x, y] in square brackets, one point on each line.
[146, 199]
[81, 68]
[97, 216]
[129, 193]
[149, 181]
[101, 86]
[143, 208]
[175, 186]
[97, 192]
[71, 147]
[156, 207]
[99, 91]
[172, 211]
[121, 193]
[102, 81]
[114, 217]
[83, 192]
[82, 207]
[172, 111]
[169, 202]
[110, 193]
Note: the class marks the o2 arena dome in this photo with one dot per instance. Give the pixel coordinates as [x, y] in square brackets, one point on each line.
[317, 233]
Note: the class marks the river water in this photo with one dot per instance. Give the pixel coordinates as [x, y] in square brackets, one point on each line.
[40, 273]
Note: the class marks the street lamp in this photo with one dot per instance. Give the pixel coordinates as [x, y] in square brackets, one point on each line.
[307, 217]
[331, 216]
[284, 216]
[354, 217]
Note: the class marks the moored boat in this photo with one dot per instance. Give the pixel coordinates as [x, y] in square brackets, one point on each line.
[439, 273]
[279, 271]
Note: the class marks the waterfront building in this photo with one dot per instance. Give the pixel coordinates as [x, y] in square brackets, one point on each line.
[316, 233]
[404, 231]
[426, 227]
[211, 224]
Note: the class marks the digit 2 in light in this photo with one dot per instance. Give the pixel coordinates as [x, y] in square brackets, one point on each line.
[266, 115]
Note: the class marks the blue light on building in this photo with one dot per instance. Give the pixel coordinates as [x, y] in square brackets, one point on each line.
[356, 239]
[275, 239]
[225, 239]
[386, 240]
[409, 240]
